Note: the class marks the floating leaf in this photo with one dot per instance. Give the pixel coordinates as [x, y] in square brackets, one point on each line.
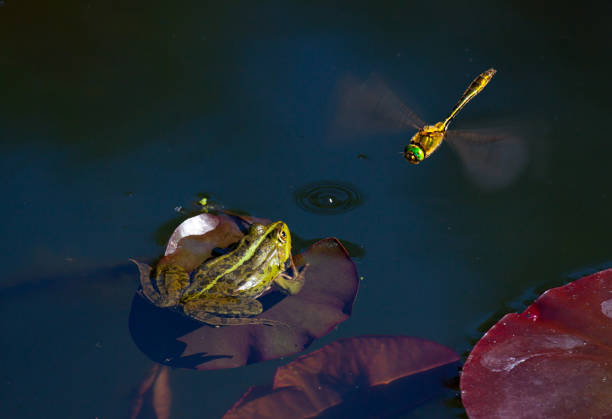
[553, 360]
[169, 337]
[194, 239]
[194, 226]
[349, 377]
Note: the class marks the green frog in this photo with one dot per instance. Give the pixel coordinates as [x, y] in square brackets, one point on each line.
[224, 290]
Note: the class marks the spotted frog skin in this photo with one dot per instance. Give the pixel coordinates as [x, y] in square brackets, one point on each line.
[224, 290]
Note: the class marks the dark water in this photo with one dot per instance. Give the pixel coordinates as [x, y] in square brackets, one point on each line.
[114, 113]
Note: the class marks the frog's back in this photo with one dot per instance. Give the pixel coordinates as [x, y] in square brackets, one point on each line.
[250, 268]
[222, 274]
[251, 278]
[208, 274]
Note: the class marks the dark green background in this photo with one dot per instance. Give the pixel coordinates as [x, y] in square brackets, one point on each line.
[114, 113]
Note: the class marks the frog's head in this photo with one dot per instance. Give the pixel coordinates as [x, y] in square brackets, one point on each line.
[280, 233]
[414, 153]
[274, 237]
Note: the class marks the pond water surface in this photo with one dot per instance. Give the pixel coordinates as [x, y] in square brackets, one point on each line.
[115, 115]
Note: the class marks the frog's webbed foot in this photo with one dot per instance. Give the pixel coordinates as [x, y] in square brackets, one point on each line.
[292, 283]
[211, 309]
[148, 290]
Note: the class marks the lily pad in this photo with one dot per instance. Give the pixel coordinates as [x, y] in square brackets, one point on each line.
[194, 240]
[349, 377]
[552, 360]
[170, 338]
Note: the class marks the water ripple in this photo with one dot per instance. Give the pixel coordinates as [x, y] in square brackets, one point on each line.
[328, 197]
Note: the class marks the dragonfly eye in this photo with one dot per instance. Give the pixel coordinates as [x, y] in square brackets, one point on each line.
[413, 153]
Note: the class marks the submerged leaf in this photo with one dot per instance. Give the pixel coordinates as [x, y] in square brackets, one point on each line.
[346, 377]
[326, 299]
[552, 360]
[155, 385]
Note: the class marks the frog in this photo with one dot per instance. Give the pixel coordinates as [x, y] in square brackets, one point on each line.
[223, 291]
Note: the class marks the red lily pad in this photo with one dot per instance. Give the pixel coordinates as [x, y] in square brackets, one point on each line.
[552, 360]
[350, 376]
[326, 300]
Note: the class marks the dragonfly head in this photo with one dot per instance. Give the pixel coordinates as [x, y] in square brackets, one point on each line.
[414, 153]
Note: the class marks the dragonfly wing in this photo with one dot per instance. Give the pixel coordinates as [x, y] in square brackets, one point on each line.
[492, 159]
[369, 107]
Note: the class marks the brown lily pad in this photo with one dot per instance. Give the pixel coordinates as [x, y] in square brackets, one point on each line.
[326, 300]
[349, 377]
[553, 360]
[194, 240]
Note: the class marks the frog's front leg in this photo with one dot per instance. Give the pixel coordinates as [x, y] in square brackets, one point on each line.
[291, 283]
[210, 309]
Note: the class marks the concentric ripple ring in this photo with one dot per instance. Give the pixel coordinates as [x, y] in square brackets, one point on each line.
[328, 197]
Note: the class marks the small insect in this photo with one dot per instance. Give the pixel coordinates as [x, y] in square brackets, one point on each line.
[430, 137]
[492, 158]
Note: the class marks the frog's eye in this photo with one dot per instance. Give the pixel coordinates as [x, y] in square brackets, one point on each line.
[282, 236]
[414, 154]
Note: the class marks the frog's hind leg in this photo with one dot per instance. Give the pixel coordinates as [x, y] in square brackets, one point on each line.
[148, 289]
[217, 321]
[210, 310]
[171, 280]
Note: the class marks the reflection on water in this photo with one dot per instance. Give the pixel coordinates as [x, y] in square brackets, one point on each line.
[328, 197]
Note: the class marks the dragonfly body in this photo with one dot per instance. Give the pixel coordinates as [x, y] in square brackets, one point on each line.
[430, 137]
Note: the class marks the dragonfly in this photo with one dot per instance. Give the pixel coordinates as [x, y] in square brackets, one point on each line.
[492, 158]
[427, 140]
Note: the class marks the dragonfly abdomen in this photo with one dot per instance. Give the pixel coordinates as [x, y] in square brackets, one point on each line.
[473, 89]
